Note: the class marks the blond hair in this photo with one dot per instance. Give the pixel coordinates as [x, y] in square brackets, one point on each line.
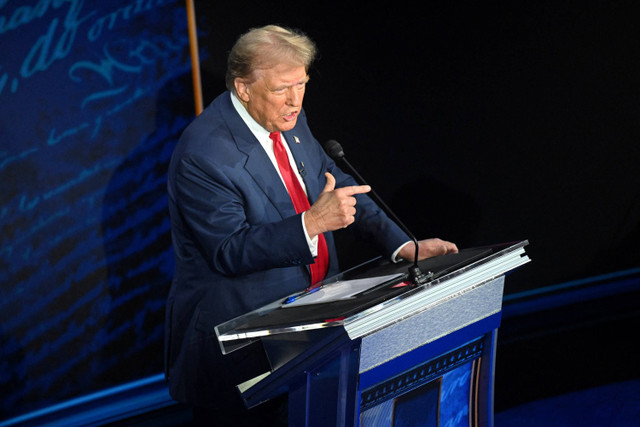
[265, 47]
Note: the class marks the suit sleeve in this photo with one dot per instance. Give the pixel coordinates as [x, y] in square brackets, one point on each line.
[215, 212]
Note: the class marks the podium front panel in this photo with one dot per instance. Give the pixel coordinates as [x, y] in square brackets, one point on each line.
[453, 388]
[469, 306]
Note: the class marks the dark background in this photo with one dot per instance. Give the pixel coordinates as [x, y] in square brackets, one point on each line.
[477, 122]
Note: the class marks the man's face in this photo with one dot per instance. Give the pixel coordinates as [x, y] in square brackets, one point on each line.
[274, 99]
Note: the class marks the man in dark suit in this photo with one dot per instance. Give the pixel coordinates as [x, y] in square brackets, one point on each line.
[253, 200]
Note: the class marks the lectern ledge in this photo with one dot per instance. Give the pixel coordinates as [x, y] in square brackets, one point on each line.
[370, 349]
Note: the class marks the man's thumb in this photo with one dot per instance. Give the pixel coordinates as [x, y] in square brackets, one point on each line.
[331, 183]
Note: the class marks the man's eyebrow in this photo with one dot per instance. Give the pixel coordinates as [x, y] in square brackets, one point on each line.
[286, 85]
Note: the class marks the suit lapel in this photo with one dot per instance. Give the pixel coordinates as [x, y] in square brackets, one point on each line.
[257, 163]
[303, 162]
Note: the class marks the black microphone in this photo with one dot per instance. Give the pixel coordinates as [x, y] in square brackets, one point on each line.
[335, 151]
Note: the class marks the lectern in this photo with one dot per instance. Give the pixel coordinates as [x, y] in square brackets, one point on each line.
[367, 348]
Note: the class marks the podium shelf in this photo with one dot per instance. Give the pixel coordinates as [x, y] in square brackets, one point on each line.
[376, 308]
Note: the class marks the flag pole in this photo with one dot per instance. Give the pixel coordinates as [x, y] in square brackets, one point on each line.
[195, 59]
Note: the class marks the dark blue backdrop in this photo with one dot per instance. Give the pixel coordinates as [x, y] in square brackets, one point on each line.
[92, 98]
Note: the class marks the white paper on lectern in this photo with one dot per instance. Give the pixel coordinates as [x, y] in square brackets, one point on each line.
[341, 289]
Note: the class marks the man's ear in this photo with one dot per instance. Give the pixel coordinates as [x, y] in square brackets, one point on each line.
[242, 89]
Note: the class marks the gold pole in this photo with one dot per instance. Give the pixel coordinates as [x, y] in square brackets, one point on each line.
[195, 59]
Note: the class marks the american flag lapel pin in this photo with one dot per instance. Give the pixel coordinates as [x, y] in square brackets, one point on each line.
[296, 139]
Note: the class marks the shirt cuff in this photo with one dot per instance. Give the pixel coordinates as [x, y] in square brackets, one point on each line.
[394, 255]
[312, 243]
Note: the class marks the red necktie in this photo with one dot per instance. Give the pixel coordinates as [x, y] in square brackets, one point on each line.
[301, 204]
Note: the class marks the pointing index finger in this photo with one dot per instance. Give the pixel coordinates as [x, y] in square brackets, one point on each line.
[356, 189]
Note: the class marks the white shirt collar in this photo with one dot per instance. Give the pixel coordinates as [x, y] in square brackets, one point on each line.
[258, 131]
[262, 135]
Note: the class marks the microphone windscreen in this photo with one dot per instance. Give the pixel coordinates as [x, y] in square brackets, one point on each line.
[334, 149]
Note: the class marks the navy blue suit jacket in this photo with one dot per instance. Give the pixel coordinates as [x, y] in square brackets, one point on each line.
[238, 241]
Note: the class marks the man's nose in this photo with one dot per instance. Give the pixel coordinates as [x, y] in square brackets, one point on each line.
[294, 96]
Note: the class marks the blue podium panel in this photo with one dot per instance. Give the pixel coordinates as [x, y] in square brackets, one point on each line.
[451, 343]
[448, 381]
[452, 388]
[328, 394]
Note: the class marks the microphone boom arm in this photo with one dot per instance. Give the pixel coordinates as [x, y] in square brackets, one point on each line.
[416, 276]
